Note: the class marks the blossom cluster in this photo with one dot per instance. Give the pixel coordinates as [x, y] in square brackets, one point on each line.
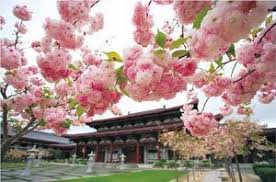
[63, 32]
[199, 124]
[22, 13]
[143, 22]
[186, 11]
[226, 23]
[54, 65]
[11, 58]
[95, 88]
[151, 77]
[259, 58]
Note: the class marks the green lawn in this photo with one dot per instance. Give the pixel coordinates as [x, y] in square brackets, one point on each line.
[6, 165]
[142, 176]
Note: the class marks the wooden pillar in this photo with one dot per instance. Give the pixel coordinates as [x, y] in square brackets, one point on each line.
[83, 150]
[96, 153]
[111, 151]
[137, 152]
[158, 152]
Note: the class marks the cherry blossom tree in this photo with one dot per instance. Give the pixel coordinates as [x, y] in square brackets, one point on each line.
[225, 142]
[71, 83]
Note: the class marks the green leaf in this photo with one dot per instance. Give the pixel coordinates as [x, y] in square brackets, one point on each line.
[268, 20]
[178, 42]
[160, 39]
[125, 93]
[159, 52]
[79, 110]
[255, 31]
[69, 82]
[120, 77]
[42, 122]
[219, 62]
[180, 53]
[67, 123]
[47, 93]
[199, 18]
[231, 51]
[73, 67]
[113, 56]
[212, 68]
[72, 103]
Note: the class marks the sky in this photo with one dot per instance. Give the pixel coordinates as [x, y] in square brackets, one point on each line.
[116, 36]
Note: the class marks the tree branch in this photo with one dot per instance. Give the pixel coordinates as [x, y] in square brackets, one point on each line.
[22, 132]
[266, 32]
[149, 2]
[94, 3]
[204, 104]
[248, 73]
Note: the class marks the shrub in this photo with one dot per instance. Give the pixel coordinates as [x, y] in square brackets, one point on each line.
[267, 174]
[172, 164]
[17, 154]
[188, 164]
[205, 163]
[57, 154]
[160, 163]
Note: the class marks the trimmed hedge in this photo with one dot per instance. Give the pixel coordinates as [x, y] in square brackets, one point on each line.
[162, 163]
[266, 172]
[159, 164]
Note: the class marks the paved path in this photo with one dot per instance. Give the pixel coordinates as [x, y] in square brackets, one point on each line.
[52, 172]
[212, 176]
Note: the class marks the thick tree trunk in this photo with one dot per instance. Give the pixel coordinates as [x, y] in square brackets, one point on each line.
[238, 168]
[5, 145]
[5, 122]
[229, 170]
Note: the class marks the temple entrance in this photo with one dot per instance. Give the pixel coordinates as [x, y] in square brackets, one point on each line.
[130, 153]
[100, 156]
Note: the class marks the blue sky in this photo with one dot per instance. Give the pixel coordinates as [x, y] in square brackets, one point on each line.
[118, 31]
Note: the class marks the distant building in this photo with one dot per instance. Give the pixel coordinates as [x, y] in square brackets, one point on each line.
[136, 135]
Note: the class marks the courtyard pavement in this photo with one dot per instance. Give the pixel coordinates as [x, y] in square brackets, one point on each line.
[52, 172]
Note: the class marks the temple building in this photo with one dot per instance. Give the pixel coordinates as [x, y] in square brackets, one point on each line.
[134, 135]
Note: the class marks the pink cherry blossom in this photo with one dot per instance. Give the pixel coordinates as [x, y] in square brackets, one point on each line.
[186, 11]
[143, 22]
[198, 124]
[94, 88]
[115, 110]
[21, 28]
[226, 110]
[226, 23]
[216, 86]
[244, 110]
[11, 58]
[36, 45]
[244, 90]
[22, 13]
[63, 32]
[74, 11]
[266, 97]
[150, 78]
[91, 59]
[19, 78]
[185, 66]
[54, 65]
[163, 2]
[55, 118]
[97, 22]
[62, 88]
